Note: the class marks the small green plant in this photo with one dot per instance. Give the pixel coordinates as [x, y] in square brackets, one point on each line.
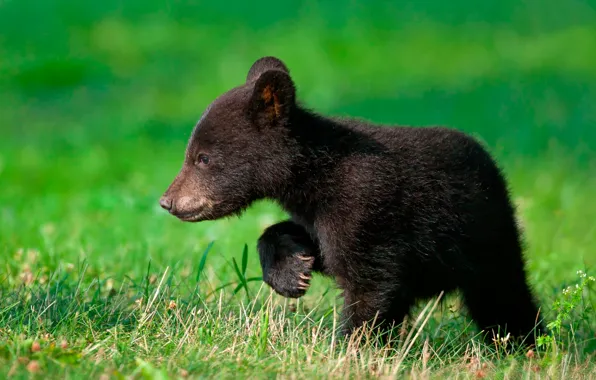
[570, 300]
[240, 273]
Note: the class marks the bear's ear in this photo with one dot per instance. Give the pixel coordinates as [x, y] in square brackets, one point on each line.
[264, 64]
[273, 96]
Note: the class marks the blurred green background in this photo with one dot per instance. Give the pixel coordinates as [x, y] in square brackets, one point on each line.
[98, 99]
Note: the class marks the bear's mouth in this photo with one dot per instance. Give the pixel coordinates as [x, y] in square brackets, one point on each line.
[201, 212]
[191, 216]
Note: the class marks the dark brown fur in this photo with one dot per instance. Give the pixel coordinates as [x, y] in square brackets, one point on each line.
[394, 214]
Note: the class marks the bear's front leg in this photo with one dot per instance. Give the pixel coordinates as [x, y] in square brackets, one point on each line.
[373, 307]
[373, 293]
[288, 256]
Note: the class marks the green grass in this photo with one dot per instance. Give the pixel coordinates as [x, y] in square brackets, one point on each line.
[97, 102]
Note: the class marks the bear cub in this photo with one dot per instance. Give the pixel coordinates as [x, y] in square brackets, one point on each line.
[393, 213]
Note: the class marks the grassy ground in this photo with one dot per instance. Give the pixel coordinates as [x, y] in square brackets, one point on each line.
[97, 103]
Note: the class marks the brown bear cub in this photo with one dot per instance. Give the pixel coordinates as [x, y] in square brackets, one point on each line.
[393, 214]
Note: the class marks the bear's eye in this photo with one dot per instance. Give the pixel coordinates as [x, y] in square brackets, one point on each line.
[203, 159]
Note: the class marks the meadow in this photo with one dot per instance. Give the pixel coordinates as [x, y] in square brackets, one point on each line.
[97, 101]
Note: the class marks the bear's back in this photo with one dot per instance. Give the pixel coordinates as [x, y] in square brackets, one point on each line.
[427, 148]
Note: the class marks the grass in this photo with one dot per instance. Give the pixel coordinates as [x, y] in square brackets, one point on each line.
[97, 103]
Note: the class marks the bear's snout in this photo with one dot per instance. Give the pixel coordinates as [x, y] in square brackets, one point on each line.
[183, 198]
[185, 208]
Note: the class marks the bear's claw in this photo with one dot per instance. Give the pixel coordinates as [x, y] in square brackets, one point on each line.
[290, 277]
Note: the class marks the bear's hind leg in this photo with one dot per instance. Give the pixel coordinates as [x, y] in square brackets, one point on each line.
[500, 301]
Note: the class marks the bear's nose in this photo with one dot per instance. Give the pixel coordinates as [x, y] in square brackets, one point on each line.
[165, 203]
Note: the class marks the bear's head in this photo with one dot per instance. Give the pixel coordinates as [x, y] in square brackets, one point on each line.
[240, 150]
